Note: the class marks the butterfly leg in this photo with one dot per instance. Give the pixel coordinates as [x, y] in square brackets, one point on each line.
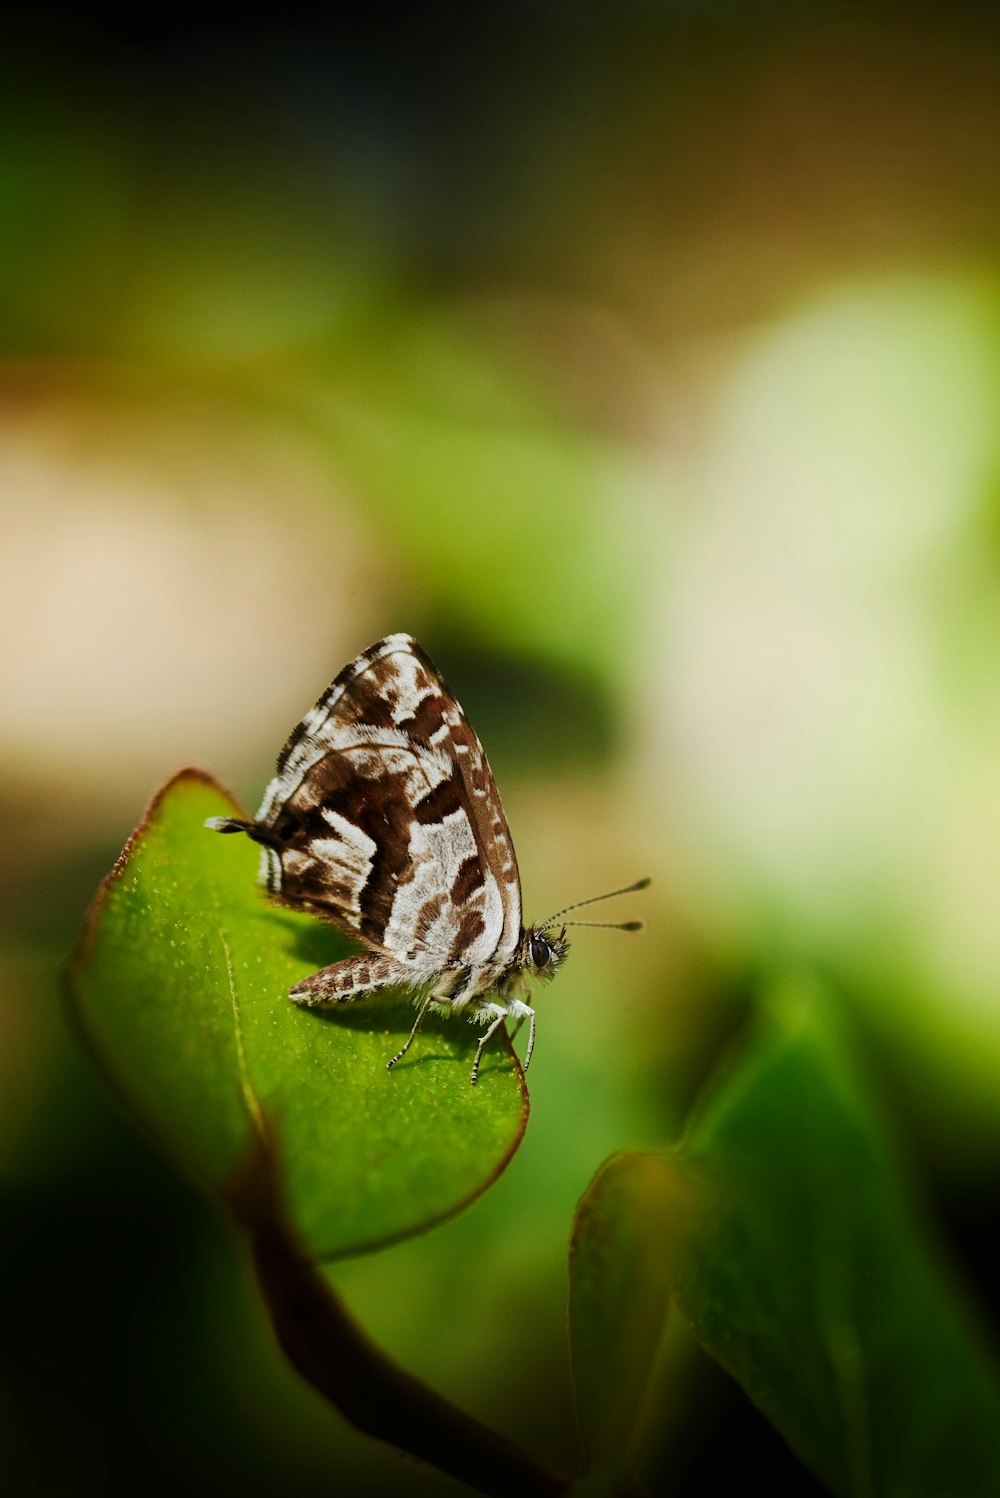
[531, 1039]
[523, 1012]
[500, 1015]
[410, 1038]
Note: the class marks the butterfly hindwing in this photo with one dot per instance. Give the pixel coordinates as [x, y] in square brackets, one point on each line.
[383, 816]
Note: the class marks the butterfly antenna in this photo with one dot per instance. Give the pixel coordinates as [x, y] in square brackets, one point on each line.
[626, 889]
[609, 925]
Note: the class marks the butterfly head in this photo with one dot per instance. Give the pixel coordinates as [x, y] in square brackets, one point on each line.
[542, 952]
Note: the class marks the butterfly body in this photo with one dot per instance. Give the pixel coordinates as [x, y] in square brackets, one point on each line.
[383, 818]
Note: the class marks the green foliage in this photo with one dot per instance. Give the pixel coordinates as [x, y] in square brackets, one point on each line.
[618, 1291]
[181, 988]
[796, 1254]
[782, 1228]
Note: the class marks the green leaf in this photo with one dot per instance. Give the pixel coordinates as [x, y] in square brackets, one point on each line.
[803, 1266]
[181, 988]
[618, 1290]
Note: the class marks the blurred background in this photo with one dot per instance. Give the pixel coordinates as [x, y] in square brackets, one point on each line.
[642, 360]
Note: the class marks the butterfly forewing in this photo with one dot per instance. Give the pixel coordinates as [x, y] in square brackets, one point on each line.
[384, 818]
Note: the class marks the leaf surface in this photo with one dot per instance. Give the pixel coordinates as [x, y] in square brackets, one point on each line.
[618, 1289]
[180, 986]
[800, 1260]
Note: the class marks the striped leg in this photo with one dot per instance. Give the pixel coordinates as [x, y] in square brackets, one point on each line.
[410, 1038]
[501, 1015]
[523, 1012]
[531, 1040]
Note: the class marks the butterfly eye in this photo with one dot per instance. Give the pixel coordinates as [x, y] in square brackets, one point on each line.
[540, 951]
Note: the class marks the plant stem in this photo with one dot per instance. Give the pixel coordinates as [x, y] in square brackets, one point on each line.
[328, 1348]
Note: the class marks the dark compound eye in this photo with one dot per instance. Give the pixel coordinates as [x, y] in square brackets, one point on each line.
[540, 951]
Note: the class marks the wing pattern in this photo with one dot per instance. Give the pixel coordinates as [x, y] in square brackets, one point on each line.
[383, 817]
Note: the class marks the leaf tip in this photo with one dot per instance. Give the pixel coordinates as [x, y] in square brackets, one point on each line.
[188, 774]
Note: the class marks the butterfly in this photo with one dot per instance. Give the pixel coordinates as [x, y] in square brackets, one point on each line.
[384, 819]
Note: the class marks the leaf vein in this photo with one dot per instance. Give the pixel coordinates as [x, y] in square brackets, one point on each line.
[249, 1096]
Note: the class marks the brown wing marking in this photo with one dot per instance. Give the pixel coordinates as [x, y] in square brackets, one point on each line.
[342, 839]
[438, 718]
[386, 752]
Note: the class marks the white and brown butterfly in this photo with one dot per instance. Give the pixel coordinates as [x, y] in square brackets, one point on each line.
[383, 818]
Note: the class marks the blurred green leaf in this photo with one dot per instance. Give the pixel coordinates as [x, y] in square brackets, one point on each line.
[533, 485]
[181, 988]
[618, 1292]
[803, 1267]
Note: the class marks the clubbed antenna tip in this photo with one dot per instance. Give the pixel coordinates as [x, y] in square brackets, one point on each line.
[594, 900]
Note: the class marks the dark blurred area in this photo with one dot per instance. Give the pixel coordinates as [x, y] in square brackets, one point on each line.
[643, 361]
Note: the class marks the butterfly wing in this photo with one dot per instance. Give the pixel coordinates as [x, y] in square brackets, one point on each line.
[383, 817]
